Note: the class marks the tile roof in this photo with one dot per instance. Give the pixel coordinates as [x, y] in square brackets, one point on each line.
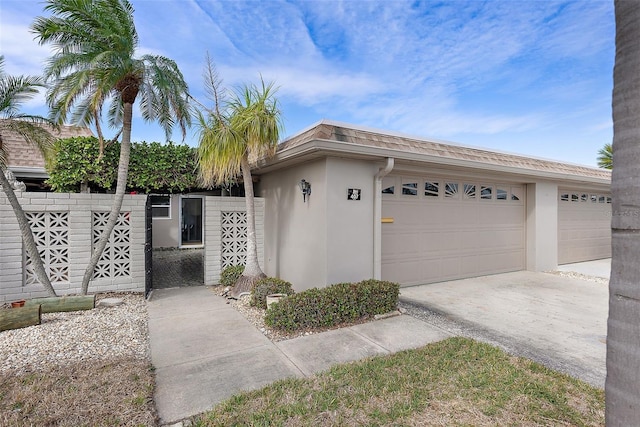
[21, 154]
[398, 145]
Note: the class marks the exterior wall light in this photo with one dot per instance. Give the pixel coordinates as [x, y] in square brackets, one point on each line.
[305, 187]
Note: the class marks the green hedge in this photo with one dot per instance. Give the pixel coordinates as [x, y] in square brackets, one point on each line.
[268, 286]
[153, 167]
[229, 275]
[330, 306]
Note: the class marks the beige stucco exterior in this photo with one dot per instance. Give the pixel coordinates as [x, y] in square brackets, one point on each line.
[542, 226]
[296, 231]
[350, 222]
[331, 239]
[326, 239]
[166, 231]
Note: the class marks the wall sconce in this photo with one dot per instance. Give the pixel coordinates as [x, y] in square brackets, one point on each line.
[305, 187]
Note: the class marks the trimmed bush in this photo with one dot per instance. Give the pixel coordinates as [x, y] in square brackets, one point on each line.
[333, 305]
[268, 286]
[229, 276]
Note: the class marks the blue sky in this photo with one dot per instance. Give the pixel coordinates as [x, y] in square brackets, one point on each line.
[528, 77]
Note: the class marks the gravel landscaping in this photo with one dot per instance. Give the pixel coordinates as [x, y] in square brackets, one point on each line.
[103, 333]
[79, 368]
[574, 275]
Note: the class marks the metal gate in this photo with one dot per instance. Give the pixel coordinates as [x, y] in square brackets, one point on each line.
[148, 249]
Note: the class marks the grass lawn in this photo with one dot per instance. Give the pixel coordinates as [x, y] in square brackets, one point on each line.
[117, 393]
[453, 382]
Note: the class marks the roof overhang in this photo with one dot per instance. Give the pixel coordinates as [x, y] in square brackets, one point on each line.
[322, 148]
[26, 172]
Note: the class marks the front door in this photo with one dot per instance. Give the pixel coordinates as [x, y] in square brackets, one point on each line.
[191, 212]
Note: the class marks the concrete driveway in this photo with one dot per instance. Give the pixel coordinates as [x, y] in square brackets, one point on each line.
[558, 321]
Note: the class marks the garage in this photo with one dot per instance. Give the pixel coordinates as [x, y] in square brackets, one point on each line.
[445, 228]
[584, 225]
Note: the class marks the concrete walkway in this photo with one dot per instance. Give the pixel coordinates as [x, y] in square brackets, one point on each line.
[204, 351]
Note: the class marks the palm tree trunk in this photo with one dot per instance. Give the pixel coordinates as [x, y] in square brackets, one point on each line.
[252, 271]
[123, 170]
[622, 385]
[27, 235]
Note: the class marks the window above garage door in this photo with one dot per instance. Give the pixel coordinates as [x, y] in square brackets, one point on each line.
[578, 196]
[431, 189]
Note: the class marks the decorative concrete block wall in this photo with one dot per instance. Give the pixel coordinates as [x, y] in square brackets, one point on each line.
[65, 227]
[226, 234]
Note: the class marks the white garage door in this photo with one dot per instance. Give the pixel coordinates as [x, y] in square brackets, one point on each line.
[584, 226]
[447, 229]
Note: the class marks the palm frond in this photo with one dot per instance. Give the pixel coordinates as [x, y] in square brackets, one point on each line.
[605, 156]
[163, 94]
[213, 86]
[220, 152]
[245, 127]
[258, 117]
[94, 44]
[14, 91]
[115, 113]
[34, 130]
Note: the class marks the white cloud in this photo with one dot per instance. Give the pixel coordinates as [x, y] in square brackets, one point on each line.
[22, 54]
[445, 69]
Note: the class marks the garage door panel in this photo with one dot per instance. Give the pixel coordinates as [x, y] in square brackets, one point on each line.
[399, 244]
[504, 261]
[450, 267]
[407, 214]
[401, 271]
[439, 238]
[439, 241]
[503, 215]
[510, 239]
[584, 228]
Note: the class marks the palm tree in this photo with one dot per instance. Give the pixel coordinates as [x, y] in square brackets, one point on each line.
[95, 43]
[14, 90]
[246, 127]
[605, 157]
[622, 385]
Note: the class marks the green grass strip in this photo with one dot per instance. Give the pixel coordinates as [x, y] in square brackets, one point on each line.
[457, 381]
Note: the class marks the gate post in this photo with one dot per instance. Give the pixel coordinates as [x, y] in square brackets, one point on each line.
[148, 248]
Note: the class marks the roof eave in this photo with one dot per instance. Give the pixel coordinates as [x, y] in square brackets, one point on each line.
[324, 147]
[29, 172]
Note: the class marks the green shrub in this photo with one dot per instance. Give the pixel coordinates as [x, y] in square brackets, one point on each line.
[230, 275]
[268, 286]
[153, 167]
[339, 303]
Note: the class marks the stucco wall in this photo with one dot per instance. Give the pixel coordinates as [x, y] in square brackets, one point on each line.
[296, 231]
[349, 222]
[70, 244]
[166, 231]
[327, 239]
[542, 226]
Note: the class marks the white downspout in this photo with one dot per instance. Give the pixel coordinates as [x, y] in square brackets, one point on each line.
[377, 218]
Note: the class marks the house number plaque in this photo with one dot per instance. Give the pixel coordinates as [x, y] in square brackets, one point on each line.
[354, 194]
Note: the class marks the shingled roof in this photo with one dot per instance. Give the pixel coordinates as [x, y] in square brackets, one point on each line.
[417, 149]
[21, 155]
